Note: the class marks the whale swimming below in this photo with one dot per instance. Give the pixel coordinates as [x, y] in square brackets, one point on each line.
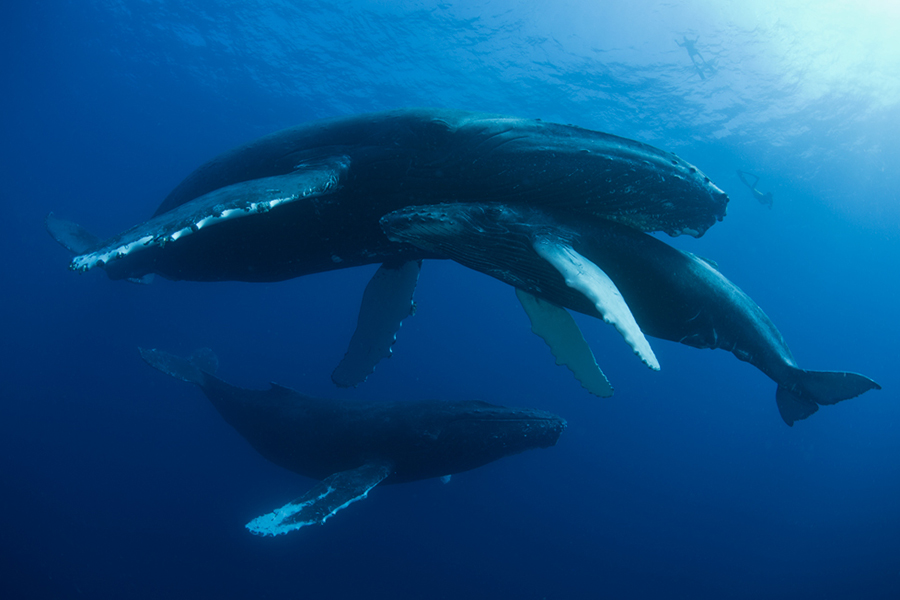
[352, 446]
[309, 199]
[672, 295]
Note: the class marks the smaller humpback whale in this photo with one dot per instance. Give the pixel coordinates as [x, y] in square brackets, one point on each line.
[353, 446]
[603, 269]
[308, 199]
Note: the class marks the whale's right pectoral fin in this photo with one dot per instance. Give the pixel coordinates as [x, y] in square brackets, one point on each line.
[388, 300]
[527, 249]
[71, 236]
[315, 506]
[558, 329]
[242, 200]
[583, 275]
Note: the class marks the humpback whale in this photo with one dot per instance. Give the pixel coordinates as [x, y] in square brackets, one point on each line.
[309, 199]
[672, 295]
[352, 446]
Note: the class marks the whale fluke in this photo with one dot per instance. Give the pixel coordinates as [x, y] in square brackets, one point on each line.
[809, 389]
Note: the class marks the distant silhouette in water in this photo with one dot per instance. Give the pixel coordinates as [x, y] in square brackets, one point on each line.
[763, 197]
[696, 58]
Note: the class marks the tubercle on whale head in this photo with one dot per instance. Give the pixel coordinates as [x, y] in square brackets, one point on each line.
[502, 431]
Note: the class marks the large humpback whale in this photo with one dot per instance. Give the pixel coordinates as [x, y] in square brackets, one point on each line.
[671, 294]
[309, 199]
[353, 446]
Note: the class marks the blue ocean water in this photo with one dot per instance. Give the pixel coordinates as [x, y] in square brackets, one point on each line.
[121, 483]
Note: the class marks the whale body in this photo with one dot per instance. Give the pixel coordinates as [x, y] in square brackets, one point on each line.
[672, 295]
[351, 446]
[309, 199]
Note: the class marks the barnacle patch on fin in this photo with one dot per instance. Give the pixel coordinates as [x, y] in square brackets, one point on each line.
[558, 329]
[583, 275]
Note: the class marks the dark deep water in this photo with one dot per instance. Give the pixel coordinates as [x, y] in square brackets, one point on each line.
[121, 483]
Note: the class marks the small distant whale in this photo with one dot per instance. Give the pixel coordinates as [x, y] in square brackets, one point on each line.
[353, 446]
[604, 269]
[309, 199]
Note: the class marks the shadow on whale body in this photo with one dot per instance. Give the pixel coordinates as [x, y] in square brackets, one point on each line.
[309, 199]
[600, 267]
[353, 446]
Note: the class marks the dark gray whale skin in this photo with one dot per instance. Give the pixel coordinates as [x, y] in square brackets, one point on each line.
[318, 437]
[673, 295]
[386, 161]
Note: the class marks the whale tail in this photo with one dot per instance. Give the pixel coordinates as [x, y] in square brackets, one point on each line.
[807, 390]
[202, 362]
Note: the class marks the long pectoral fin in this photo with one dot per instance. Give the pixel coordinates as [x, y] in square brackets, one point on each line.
[526, 248]
[556, 326]
[191, 370]
[315, 506]
[224, 204]
[583, 275]
[388, 300]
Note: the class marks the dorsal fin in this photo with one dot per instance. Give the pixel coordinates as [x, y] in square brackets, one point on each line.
[708, 261]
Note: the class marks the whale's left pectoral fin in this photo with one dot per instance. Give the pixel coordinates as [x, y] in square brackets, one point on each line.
[318, 504]
[558, 329]
[388, 300]
[583, 275]
[71, 236]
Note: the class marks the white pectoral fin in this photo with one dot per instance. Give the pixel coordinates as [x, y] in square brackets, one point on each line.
[315, 506]
[556, 326]
[583, 275]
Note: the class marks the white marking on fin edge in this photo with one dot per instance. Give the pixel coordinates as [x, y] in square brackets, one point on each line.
[583, 275]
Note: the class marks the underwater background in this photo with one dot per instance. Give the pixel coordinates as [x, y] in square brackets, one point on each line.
[119, 482]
